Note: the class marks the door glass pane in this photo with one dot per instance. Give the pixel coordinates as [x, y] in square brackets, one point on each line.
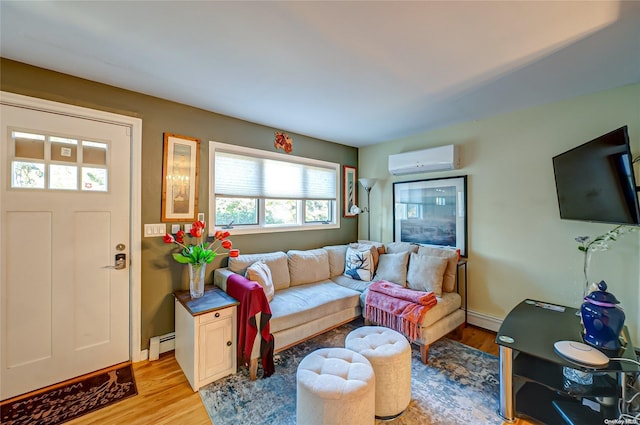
[281, 212]
[63, 149]
[27, 175]
[94, 179]
[94, 153]
[28, 145]
[63, 177]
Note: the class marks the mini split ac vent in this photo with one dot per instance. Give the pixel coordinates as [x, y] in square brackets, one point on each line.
[441, 158]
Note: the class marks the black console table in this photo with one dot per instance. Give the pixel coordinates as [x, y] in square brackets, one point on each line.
[532, 384]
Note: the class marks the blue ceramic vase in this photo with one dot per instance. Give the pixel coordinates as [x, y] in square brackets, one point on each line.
[602, 318]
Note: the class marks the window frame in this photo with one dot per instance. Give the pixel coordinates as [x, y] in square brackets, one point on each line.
[262, 227]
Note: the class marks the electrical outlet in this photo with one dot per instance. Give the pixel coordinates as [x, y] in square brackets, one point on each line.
[201, 217]
[187, 228]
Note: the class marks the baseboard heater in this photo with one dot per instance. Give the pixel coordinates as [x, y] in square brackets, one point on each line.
[161, 344]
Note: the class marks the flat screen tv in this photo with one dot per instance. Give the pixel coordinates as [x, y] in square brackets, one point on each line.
[595, 181]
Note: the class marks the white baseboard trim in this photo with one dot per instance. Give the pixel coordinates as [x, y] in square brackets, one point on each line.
[144, 355]
[484, 321]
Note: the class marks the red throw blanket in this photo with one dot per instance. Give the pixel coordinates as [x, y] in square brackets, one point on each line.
[398, 308]
[252, 301]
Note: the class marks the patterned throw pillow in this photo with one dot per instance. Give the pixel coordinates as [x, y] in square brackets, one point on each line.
[359, 264]
[261, 273]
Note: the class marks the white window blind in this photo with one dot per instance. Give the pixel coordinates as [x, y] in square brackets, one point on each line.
[241, 175]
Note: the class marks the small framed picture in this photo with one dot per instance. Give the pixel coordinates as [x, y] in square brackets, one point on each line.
[180, 172]
[350, 190]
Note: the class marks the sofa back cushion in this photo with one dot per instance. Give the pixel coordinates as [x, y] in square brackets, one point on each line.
[426, 273]
[308, 266]
[337, 254]
[277, 262]
[395, 247]
[449, 281]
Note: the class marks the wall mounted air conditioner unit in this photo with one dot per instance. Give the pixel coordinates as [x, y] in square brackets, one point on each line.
[433, 159]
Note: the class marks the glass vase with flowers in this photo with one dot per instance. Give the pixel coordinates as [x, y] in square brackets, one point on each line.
[198, 254]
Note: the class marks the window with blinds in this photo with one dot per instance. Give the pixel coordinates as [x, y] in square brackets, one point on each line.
[259, 191]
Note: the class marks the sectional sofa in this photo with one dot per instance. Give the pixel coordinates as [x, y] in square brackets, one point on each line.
[313, 291]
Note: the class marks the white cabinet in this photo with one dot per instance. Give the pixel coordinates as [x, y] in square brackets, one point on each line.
[205, 336]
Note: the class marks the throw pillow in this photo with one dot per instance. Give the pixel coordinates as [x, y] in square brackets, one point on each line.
[449, 280]
[259, 272]
[393, 268]
[426, 273]
[359, 264]
[372, 248]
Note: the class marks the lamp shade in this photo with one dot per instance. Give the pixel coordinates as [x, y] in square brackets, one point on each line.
[367, 183]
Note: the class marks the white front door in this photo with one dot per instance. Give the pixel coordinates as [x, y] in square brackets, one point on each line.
[65, 208]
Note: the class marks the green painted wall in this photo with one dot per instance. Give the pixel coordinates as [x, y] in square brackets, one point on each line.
[518, 246]
[160, 274]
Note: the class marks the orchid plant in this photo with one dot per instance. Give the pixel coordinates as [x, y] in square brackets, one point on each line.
[199, 252]
[599, 243]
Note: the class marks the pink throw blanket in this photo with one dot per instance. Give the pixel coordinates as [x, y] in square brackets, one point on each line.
[398, 308]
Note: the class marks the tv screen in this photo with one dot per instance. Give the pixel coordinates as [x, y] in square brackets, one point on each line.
[595, 181]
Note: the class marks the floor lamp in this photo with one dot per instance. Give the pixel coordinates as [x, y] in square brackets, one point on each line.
[367, 184]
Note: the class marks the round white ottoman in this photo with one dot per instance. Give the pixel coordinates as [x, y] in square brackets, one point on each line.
[335, 386]
[390, 355]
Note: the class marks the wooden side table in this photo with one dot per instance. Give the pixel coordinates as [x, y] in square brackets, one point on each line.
[205, 335]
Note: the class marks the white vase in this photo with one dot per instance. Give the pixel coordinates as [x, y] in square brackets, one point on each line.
[196, 279]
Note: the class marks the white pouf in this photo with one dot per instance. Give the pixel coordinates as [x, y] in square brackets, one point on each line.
[390, 355]
[335, 386]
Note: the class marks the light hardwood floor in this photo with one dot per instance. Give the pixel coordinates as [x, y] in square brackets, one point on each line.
[165, 397]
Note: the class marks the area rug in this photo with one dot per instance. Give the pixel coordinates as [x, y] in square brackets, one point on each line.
[71, 400]
[459, 386]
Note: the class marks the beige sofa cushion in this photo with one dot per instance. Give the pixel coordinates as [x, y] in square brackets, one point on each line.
[449, 282]
[426, 273]
[277, 262]
[260, 272]
[393, 268]
[337, 254]
[301, 304]
[447, 304]
[308, 266]
[378, 245]
[395, 247]
[355, 284]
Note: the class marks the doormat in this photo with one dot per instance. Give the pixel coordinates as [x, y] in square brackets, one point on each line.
[71, 399]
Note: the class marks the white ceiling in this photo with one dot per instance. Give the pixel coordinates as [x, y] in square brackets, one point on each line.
[356, 73]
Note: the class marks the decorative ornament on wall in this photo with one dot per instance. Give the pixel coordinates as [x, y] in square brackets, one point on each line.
[283, 141]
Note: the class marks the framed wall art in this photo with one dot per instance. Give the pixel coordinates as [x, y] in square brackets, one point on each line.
[350, 190]
[180, 171]
[431, 212]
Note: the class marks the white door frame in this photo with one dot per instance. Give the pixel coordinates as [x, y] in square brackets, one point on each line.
[135, 124]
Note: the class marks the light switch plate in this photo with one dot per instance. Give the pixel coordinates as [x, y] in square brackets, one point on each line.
[175, 228]
[154, 230]
[201, 217]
